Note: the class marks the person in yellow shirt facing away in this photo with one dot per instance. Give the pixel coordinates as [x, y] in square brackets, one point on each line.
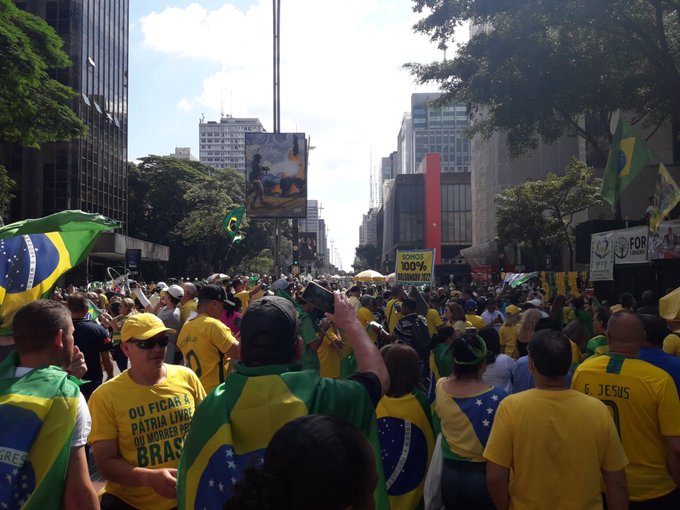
[509, 331]
[434, 320]
[393, 307]
[140, 418]
[243, 293]
[206, 343]
[550, 446]
[471, 314]
[188, 302]
[366, 316]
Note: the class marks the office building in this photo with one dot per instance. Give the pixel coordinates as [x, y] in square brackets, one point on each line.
[222, 144]
[183, 153]
[89, 173]
[405, 163]
[368, 230]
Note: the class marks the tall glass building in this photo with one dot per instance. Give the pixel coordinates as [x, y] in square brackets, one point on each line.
[89, 173]
[439, 129]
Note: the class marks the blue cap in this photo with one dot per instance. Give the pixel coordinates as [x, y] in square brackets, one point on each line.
[471, 303]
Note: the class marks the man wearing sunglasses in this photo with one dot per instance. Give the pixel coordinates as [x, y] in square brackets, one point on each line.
[140, 418]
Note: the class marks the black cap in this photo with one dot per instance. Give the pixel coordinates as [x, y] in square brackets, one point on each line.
[269, 328]
[216, 293]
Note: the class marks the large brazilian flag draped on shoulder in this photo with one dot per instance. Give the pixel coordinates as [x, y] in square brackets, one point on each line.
[37, 416]
[407, 442]
[232, 427]
[35, 253]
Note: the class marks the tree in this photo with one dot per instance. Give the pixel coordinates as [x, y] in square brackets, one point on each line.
[541, 211]
[539, 68]
[367, 256]
[7, 185]
[34, 108]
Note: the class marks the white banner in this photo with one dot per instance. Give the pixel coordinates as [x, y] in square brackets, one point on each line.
[630, 245]
[602, 257]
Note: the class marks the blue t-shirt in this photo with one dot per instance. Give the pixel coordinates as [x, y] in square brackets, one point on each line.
[664, 361]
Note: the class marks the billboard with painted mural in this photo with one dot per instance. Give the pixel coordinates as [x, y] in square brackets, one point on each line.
[276, 175]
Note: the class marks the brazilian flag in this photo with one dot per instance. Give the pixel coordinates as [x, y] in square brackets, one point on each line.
[35, 253]
[232, 221]
[666, 197]
[232, 427]
[406, 442]
[37, 416]
[629, 155]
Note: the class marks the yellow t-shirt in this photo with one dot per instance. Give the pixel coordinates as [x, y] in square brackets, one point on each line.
[244, 296]
[644, 403]
[185, 310]
[392, 314]
[103, 300]
[671, 344]
[508, 339]
[555, 444]
[330, 356]
[476, 321]
[434, 320]
[365, 316]
[204, 342]
[149, 423]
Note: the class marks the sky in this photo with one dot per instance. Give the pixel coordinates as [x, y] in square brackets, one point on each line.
[342, 84]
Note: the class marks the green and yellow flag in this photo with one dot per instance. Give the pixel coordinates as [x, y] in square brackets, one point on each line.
[35, 253]
[37, 413]
[232, 221]
[628, 156]
[666, 197]
[232, 427]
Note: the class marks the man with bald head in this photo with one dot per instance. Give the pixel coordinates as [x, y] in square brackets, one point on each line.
[645, 407]
[188, 302]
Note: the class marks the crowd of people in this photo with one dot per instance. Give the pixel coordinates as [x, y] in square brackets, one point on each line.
[240, 393]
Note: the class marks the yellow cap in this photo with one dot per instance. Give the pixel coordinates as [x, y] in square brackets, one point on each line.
[512, 310]
[142, 326]
[615, 308]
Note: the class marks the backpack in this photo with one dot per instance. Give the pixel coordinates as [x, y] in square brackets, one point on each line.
[414, 333]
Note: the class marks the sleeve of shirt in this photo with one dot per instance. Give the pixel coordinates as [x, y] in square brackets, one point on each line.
[307, 330]
[83, 424]
[371, 383]
[104, 425]
[669, 408]
[499, 446]
[223, 338]
[614, 455]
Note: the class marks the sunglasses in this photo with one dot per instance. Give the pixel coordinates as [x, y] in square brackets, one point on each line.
[161, 341]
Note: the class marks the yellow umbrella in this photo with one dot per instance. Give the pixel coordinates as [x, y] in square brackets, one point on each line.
[369, 276]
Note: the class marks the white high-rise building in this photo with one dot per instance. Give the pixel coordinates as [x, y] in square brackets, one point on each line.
[222, 144]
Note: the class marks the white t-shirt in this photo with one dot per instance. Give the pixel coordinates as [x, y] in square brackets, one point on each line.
[499, 373]
[83, 424]
[489, 317]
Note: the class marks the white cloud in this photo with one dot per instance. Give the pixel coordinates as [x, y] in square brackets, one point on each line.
[341, 83]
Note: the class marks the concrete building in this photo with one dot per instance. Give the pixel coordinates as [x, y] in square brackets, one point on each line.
[183, 153]
[316, 226]
[222, 144]
[368, 229]
[404, 161]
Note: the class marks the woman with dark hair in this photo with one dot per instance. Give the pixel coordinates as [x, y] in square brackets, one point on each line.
[499, 366]
[466, 405]
[404, 429]
[313, 462]
[231, 316]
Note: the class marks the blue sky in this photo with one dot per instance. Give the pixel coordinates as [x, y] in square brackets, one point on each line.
[341, 83]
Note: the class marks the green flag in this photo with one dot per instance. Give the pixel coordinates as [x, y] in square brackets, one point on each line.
[35, 253]
[232, 221]
[666, 197]
[628, 156]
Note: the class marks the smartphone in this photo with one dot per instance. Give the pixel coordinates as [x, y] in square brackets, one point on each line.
[320, 297]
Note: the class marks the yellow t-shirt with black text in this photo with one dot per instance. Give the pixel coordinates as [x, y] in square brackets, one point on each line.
[644, 403]
[149, 424]
[204, 343]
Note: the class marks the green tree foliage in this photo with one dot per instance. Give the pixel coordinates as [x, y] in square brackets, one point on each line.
[182, 204]
[541, 212]
[366, 256]
[7, 185]
[540, 67]
[34, 108]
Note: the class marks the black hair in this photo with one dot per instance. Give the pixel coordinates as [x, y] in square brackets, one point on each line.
[35, 325]
[403, 366]
[493, 343]
[409, 303]
[655, 328]
[626, 300]
[313, 462]
[551, 353]
[175, 301]
[467, 354]
[77, 303]
[442, 336]
[547, 323]
[603, 316]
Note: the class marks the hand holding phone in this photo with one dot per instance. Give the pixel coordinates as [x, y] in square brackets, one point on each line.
[319, 297]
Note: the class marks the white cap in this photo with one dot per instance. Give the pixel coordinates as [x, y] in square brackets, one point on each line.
[161, 285]
[175, 291]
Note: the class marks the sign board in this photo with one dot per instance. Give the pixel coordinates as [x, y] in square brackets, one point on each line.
[665, 243]
[630, 245]
[295, 269]
[414, 267]
[602, 257]
[133, 258]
